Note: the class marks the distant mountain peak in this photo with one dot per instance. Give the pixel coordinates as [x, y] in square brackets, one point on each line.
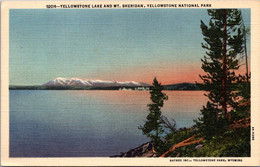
[60, 81]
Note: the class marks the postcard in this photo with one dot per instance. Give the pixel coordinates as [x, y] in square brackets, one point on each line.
[130, 83]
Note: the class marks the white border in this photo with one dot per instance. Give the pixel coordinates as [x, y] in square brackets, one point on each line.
[254, 160]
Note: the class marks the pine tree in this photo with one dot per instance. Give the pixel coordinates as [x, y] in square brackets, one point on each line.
[153, 126]
[223, 42]
[246, 31]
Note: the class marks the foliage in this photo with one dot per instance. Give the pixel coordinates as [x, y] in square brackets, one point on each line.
[176, 137]
[242, 109]
[153, 126]
[223, 22]
[229, 144]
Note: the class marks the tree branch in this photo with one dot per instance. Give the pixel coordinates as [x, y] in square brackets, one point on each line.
[186, 142]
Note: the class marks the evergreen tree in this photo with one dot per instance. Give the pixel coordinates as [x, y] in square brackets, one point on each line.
[223, 42]
[153, 126]
[246, 31]
[243, 96]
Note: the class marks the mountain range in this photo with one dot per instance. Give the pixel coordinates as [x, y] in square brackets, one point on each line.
[89, 84]
[77, 82]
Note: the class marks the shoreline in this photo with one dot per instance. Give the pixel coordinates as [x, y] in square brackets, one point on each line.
[144, 150]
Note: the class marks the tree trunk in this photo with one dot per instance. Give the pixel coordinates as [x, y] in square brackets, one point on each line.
[247, 77]
[224, 78]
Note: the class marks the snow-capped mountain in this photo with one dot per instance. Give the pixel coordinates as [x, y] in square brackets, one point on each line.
[90, 83]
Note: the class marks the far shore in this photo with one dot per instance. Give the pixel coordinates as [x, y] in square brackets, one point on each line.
[178, 87]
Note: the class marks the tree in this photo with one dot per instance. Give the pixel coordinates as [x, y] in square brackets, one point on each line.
[245, 32]
[242, 110]
[153, 126]
[223, 42]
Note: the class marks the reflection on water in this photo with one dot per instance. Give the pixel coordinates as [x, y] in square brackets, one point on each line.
[88, 123]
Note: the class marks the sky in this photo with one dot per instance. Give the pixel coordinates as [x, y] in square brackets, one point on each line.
[107, 44]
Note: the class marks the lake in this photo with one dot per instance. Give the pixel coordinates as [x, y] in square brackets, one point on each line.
[96, 123]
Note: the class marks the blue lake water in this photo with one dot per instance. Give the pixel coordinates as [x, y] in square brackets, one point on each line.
[50, 123]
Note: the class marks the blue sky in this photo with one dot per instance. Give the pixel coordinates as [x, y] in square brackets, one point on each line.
[119, 44]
